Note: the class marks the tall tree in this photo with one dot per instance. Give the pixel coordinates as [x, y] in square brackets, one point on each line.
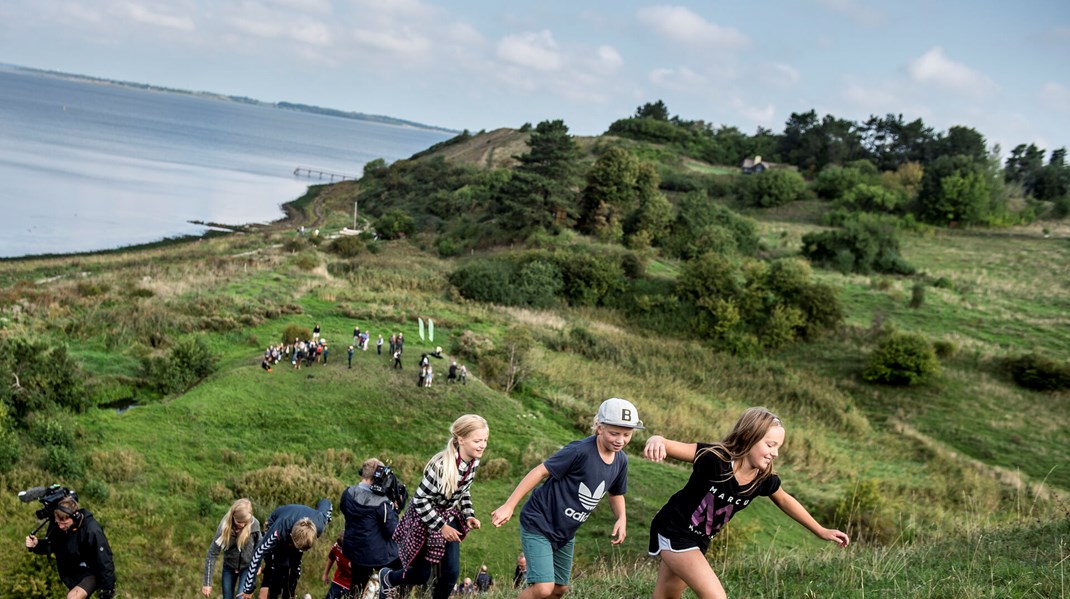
[964, 141]
[954, 189]
[542, 191]
[656, 110]
[611, 194]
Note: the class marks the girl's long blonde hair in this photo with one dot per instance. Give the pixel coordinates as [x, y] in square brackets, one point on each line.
[445, 461]
[241, 511]
[749, 430]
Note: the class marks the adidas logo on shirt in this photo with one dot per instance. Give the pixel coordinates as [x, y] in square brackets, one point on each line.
[589, 500]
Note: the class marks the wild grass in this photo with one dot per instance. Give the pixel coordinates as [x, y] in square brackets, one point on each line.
[970, 469]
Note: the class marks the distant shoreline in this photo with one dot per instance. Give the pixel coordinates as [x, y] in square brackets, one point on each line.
[292, 215]
[281, 105]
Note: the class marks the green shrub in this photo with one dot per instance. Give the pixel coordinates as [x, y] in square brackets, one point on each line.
[10, 450]
[901, 359]
[295, 245]
[485, 280]
[186, 363]
[917, 295]
[589, 279]
[47, 377]
[95, 490]
[306, 262]
[773, 187]
[295, 331]
[30, 576]
[702, 225]
[63, 462]
[1037, 372]
[49, 431]
[346, 246]
[945, 349]
[864, 245]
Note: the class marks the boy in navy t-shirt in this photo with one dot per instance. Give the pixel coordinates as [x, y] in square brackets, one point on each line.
[580, 475]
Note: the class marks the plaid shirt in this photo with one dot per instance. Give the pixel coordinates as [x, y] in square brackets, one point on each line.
[431, 503]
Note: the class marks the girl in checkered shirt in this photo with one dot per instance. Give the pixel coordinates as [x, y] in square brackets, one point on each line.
[440, 514]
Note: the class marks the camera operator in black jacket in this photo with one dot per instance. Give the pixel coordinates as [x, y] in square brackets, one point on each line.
[83, 556]
[371, 517]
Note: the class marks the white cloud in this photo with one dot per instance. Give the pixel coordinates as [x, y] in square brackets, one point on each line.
[761, 115]
[868, 16]
[681, 78]
[680, 24]
[1055, 96]
[142, 14]
[401, 42]
[779, 74]
[609, 58]
[315, 6]
[532, 50]
[936, 68]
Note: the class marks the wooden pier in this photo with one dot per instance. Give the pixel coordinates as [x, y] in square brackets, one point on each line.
[309, 173]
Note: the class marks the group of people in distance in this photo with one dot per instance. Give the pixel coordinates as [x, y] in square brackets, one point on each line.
[404, 550]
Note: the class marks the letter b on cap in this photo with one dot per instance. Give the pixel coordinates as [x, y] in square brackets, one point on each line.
[625, 415]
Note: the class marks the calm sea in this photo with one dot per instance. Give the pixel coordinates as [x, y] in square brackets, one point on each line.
[87, 166]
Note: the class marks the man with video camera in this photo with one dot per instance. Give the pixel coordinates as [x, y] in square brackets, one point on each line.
[83, 556]
[371, 511]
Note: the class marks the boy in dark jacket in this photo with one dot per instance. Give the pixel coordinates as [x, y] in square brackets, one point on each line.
[371, 519]
[291, 530]
[83, 556]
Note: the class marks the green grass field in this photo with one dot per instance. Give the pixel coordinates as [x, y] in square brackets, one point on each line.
[970, 471]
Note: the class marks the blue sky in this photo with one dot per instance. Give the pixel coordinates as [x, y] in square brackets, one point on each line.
[999, 67]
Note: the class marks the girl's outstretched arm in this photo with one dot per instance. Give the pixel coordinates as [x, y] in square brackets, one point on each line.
[791, 506]
[658, 448]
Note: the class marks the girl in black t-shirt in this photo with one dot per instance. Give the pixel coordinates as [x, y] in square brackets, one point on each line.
[727, 476]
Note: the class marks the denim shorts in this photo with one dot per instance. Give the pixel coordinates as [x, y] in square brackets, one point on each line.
[546, 564]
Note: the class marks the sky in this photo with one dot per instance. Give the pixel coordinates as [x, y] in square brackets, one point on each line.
[999, 67]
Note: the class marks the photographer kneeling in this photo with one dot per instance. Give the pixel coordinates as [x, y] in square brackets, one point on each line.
[371, 511]
[83, 556]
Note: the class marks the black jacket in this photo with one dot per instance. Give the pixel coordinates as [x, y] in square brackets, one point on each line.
[80, 551]
[370, 523]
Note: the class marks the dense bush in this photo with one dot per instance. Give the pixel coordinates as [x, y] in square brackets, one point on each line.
[834, 181]
[745, 305]
[185, 364]
[347, 246]
[901, 359]
[39, 377]
[863, 245]
[487, 280]
[773, 187]
[589, 279]
[1037, 372]
[703, 226]
[395, 224]
[295, 331]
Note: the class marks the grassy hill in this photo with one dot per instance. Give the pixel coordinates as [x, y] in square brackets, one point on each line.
[956, 488]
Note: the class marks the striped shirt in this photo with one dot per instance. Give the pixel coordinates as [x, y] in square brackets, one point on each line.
[431, 503]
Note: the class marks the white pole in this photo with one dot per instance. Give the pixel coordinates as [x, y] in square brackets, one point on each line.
[354, 215]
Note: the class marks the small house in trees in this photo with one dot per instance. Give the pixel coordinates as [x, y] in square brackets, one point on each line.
[756, 165]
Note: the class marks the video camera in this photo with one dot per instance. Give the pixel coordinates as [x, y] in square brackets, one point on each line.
[385, 483]
[50, 497]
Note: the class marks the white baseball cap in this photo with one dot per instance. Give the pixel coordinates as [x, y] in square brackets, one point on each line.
[619, 412]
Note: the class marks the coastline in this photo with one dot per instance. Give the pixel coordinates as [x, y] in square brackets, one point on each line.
[295, 214]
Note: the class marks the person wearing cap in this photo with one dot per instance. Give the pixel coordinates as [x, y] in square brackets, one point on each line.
[577, 477]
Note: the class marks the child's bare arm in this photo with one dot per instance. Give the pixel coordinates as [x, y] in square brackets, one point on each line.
[658, 448]
[620, 527]
[791, 506]
[526, 485]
